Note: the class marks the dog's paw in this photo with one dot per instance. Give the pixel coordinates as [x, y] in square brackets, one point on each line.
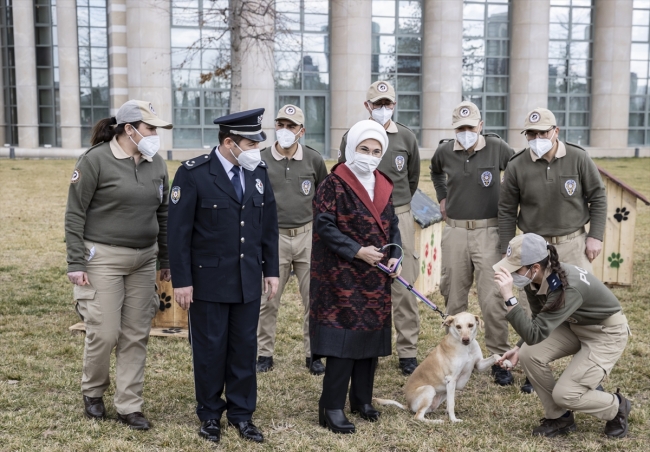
[496, 357]
[456, 420]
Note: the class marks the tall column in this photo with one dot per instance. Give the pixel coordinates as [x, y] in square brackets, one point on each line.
[149, 58]
[118, 80]
[350, 56]
[442, 67]
[528, 63]
[610, 91]
[258, 82]
[2, 104]
[25, 54]
[66, 11]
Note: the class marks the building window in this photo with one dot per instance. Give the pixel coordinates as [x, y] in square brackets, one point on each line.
[639, 120]
[93, 64]
[200, 70]
[8, 64]
[486, 51]
[301, 54]
[47, 73]
[397, 55]
[569, 67]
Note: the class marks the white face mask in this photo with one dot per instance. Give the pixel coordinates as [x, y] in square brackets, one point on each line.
[521, 281]
[467, 139]
[248, 159]
[541, 146]
[382, 115]
[366, 163]
[286, 138]
[149, 145]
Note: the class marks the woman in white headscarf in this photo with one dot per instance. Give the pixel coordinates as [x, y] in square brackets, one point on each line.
[350, 306]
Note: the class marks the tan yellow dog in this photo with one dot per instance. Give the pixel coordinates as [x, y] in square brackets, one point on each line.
[446, 369]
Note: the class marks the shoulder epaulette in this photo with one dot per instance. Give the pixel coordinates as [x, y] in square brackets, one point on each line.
[445, 140]
[95, 146]
[406, 127]
[491, 134]
[262, 164]
[517, 154]
[575, 146]
[304, 146]
[196, 161]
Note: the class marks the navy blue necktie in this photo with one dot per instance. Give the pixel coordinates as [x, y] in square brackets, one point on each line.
[236, 183]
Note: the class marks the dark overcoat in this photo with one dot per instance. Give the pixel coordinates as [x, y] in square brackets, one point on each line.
[350, 300]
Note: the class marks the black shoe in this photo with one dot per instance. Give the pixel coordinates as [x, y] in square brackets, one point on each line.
[316, 367]
[135, 421]
[211, 430]
[247, 430]
[502, 377]
[366, 411]
[408, 365]
[94, 408]
[335, 420]
[554, 427]
[264, 363]
[527, 388]
[617, 427]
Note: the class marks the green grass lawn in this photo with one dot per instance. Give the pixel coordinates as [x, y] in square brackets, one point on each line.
[40, 364]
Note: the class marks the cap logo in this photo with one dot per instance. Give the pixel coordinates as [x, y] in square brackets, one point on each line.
[464, 112]
[151, 109]
[382, 87]
[289, 111]
[534, 117]
[570, 187]
[399, 162]
[259, 119]
[486, 178]
[306, 187]
[509, 251]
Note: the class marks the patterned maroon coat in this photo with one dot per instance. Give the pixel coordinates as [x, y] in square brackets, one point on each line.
[350, 301]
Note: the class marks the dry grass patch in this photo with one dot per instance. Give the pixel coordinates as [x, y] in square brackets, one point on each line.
[40, 369]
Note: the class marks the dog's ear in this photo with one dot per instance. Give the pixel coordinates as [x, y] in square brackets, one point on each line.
[448, 321]
[479, 322]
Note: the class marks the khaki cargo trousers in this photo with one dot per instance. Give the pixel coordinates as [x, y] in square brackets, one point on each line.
[117, 308]
[293, 251]
[465, 252]
[406, 316]
[595, 350]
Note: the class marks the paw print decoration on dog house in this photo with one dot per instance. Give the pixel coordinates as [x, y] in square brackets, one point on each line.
[614, 264]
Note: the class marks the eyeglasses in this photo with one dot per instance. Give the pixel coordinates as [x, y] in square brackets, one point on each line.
[382, 103]
[532, 134]
[366, 151]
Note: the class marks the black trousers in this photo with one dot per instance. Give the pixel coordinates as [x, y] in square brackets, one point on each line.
[338, 374]
[224, 350]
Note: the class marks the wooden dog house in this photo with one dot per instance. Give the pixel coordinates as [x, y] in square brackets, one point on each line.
[428, 235]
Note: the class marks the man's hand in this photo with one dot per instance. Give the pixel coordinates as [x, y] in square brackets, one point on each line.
[271, 283]
[443, 208]
[396, 271]
[183, 296]
[510, 355]
[594, 247]
[165, 274]
[370, 255]
[78, 278]
[503, 278]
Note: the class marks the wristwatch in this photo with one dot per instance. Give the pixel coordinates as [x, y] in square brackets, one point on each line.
[512, 301]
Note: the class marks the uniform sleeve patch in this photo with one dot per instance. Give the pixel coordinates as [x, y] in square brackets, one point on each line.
[175, 195]
[76, 176]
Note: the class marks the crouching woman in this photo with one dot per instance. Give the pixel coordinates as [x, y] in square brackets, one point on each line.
[573, 313]
[350, 304]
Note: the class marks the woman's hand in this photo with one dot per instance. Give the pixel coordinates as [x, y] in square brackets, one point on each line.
[510, 355]
[370, 255]
[165, 274]
[396, 271]
[78, 278]
[503, 278]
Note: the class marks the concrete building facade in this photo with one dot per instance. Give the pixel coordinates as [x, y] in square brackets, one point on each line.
[65, 64]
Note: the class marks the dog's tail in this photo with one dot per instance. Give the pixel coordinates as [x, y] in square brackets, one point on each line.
[389, 402]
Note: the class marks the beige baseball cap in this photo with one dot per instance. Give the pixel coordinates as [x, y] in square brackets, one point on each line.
[524, 250]
[539, 119]
[466, 114]
[292, 113]
[380, 90]
[140, 110]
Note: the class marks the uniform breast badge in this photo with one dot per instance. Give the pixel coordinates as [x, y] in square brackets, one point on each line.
[260, 186]
[486, 178]
[570, 187]
[175, 195]
[399, 162]
[306, 187]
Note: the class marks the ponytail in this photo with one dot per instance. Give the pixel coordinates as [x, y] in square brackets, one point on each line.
[105, 129]
[554, 262]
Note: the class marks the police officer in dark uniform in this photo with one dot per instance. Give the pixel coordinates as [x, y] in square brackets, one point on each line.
[223, 238]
